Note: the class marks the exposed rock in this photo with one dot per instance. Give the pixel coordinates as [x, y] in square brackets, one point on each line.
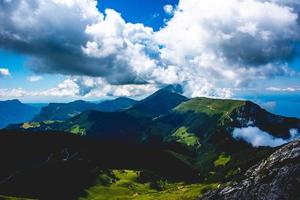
[275, 178]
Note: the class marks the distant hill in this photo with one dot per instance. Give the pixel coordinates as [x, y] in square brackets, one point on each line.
[13, 111]
[116, 104]
[63, 111]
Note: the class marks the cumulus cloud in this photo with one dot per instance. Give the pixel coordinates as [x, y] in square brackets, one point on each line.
[100, 45]
[127, 50]
[233, 40]
[82, 86]
[258, 138]
[53, 41]
[98, 87]
[209, 47]
[168, 9]
[4, 72]
[34, 78]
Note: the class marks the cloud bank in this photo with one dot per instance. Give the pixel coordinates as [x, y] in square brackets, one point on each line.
[209, 47]
[258, 138]
[83, 87]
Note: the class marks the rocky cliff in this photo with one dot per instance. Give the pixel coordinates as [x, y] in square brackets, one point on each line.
[275, 178]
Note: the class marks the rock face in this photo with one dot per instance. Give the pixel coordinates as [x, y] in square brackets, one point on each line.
[275, 178]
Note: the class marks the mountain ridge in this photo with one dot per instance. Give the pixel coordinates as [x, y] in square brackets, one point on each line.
[63, 111]
[14, 111]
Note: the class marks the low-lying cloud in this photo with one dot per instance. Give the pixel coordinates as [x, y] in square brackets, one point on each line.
[257, 138]
[86, 87]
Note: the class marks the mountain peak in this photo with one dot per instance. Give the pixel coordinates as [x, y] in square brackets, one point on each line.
[123, 98]
[16, 101]
[175, 88]
[160, 102]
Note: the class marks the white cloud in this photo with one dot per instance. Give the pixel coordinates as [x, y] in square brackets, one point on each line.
[13, 93]
[229, 41]
[128, 47]
[280, 89]
[65, 89]
[68, 88]
[4, 72]
[258, 138]
[169, 9]
[50, 32]
[210, 47]
[34, 78]
[98, 87]
[83, 87]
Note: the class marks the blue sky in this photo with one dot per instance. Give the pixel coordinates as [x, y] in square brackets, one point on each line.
[224, 49]
[136, 11]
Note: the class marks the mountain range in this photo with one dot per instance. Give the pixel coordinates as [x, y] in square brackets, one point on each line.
[14, 111]
[63, 111]
[172, 137]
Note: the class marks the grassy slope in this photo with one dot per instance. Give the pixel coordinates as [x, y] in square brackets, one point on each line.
[202, 119]
[209, 106]
[203, 115]
[128, 187]
[222, 160]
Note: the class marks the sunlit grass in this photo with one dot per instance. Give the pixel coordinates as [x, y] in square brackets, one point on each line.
[184, 137]
[222, 160]
[127, 187]
[28, 125]
[77, 130]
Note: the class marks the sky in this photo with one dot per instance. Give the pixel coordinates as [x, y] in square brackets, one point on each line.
[63, 50]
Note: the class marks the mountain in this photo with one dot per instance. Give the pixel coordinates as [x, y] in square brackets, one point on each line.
[159, 103]
[164, 140]
[63, 111]
[198, 131]
[276, 177]
[13, 111]
[95, 123]
[116, 104]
